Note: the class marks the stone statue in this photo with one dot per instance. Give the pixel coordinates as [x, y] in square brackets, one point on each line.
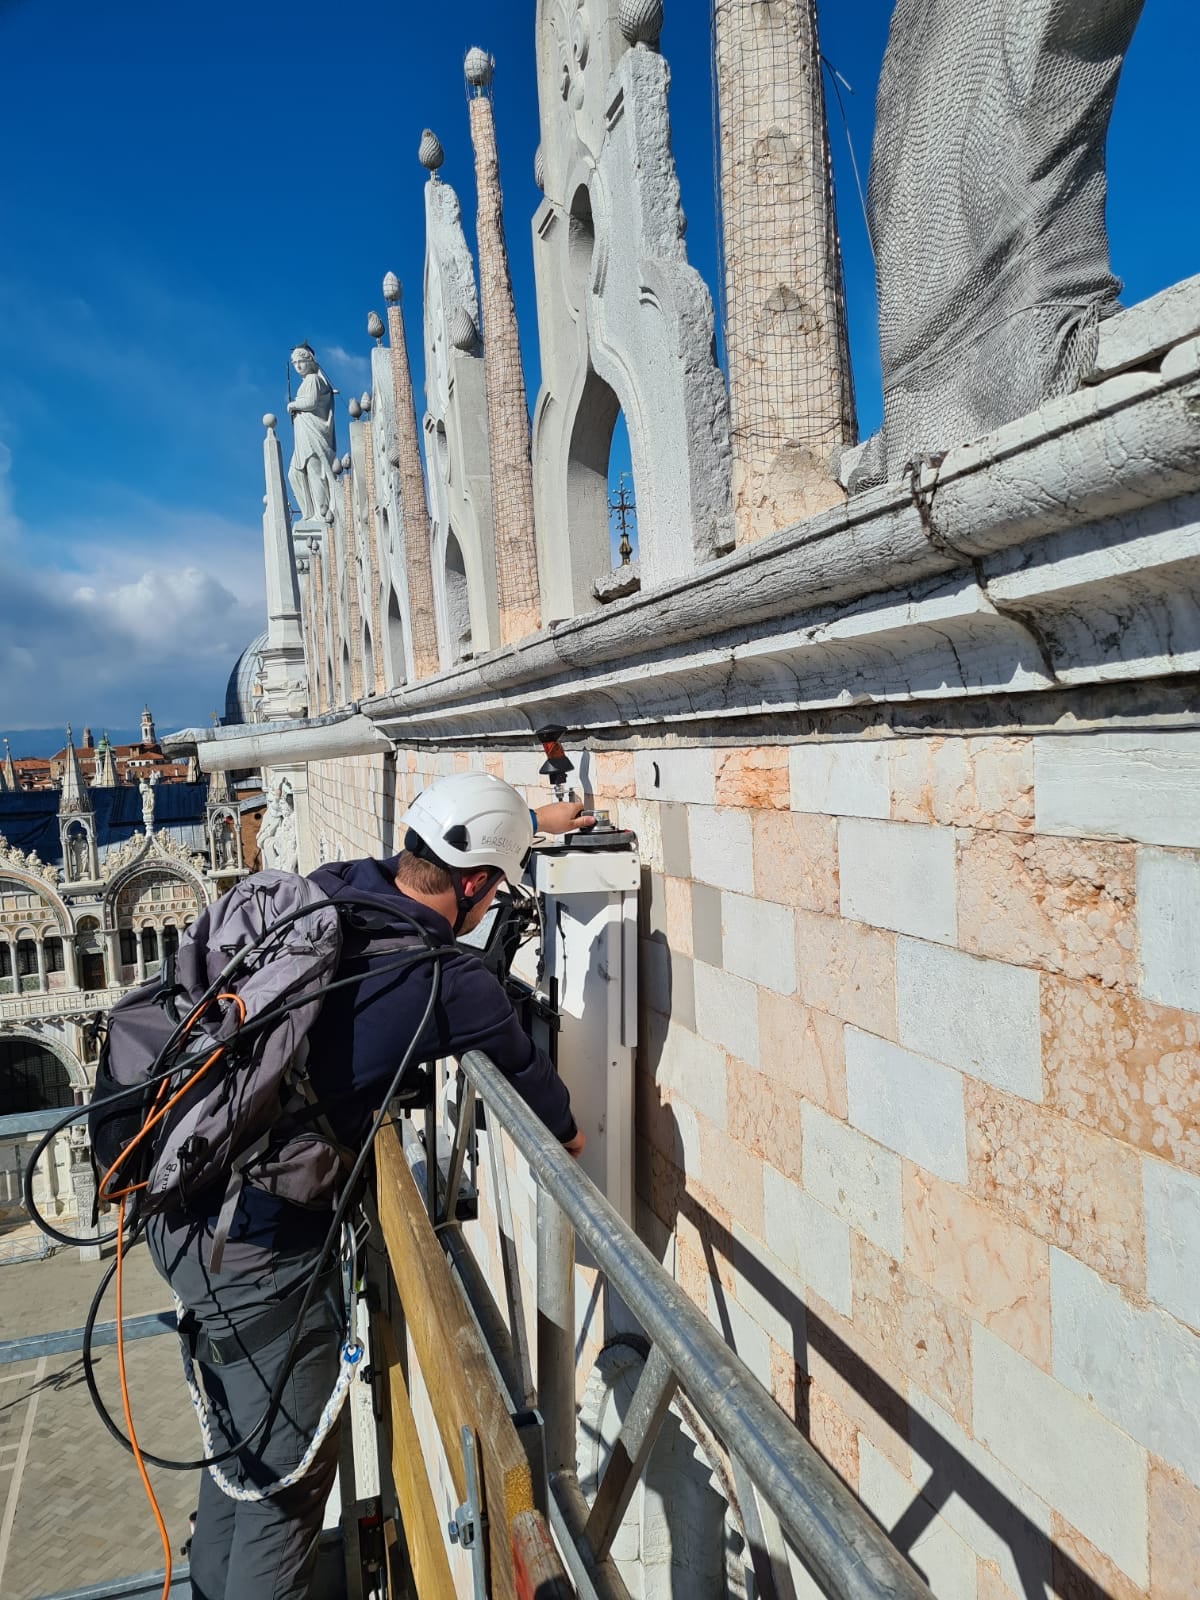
[278, 846]
[146, 790]
[77, 851]
[226, 852]
[311, 471]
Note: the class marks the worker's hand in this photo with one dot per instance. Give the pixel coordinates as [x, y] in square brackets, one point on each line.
[562, 816]
[574, 1146]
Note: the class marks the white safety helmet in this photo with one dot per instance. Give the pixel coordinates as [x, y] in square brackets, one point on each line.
[470, 821]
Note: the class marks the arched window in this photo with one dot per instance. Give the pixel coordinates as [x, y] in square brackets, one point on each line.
[458, 601]
[32, 1078]
[149, 945]
[397, 670]
[27, 962]
[52, 954]
[170, 941]
[92, 972]
[128, 947]
[368, 650]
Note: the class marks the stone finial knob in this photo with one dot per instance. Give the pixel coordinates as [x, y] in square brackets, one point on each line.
[391, 288]
[393, 456]
[346, 458]
[539, 169]
[478, 66]
[336, 469]
[364, 401]
[462, 330]
[354, 409]
[270, 420]
[374, 325]
[640, 21]
[429, 152]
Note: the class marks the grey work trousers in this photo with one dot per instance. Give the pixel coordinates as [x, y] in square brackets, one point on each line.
[263, 1549]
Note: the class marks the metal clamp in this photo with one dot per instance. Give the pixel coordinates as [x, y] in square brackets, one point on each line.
[468, 1527]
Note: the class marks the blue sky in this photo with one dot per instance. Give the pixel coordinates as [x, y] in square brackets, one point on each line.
[187, 192]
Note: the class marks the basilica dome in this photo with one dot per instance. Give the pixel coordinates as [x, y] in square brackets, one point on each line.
[243, 692]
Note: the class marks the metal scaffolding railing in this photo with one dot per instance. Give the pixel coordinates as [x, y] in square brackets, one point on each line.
[796, 1500]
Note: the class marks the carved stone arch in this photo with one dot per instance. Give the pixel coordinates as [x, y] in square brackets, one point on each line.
[455, 426]
[50, 1039]
[368, 655]
[79, 854]
[152, 864]
[38, 885]
[395, 637]
[645, 325]
[460, 586]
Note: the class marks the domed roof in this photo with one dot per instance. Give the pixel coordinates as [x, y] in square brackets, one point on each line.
[241, 702]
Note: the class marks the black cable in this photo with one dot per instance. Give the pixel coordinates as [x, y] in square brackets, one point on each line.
[331, 1239]
[158, 1071]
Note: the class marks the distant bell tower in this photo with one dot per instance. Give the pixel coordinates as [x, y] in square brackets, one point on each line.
[148, 736]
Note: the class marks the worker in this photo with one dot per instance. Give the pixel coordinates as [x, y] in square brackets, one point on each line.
[463, 836]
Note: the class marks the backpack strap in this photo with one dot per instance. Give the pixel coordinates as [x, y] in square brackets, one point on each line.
[297, 1080]
[233, 1191]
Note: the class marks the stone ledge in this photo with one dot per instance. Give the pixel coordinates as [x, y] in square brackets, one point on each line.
[1061, 550]
[1139, 335]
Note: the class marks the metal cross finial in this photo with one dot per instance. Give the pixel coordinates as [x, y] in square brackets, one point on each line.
[623, 507]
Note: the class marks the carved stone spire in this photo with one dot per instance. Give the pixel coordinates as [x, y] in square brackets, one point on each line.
[74, 796]
[105, 774]
[284, 687]
[76, 823]
[414, 508]
[8, 773]
[517, 592]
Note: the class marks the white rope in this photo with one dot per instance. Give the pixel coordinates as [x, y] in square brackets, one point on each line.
[351, 1355]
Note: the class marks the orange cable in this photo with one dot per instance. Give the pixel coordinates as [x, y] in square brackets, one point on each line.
[137, 1454]
[161, 1111]
[120, 1195]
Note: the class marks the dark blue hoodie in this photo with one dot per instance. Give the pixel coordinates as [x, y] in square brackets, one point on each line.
[363, 1029]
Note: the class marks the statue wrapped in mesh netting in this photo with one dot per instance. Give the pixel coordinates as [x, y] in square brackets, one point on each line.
[987, 212]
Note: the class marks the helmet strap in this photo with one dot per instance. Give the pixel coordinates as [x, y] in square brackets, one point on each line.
[467, 902]
[416, 846]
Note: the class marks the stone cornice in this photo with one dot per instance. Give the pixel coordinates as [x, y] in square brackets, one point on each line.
[1060, 550]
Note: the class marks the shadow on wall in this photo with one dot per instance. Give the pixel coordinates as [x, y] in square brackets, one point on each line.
[387, 805]
[824, 1361]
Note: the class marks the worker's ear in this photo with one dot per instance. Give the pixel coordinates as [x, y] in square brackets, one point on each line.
[474, 883]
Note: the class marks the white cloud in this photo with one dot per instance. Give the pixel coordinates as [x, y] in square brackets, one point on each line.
[345, 369]
[152, 603]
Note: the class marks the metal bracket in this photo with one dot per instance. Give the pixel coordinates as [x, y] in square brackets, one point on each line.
[468, 1527]
[531, 1431]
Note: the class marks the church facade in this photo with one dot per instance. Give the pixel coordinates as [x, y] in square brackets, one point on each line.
[97, 886]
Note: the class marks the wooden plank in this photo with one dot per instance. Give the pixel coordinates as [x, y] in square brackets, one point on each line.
[452, 1358]
[418, 1511]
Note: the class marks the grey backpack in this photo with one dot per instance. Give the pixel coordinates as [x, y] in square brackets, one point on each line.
[201, 1082]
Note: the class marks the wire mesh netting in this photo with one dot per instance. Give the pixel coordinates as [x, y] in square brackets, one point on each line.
[987, 196]
[508, 414]
[791, 399]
